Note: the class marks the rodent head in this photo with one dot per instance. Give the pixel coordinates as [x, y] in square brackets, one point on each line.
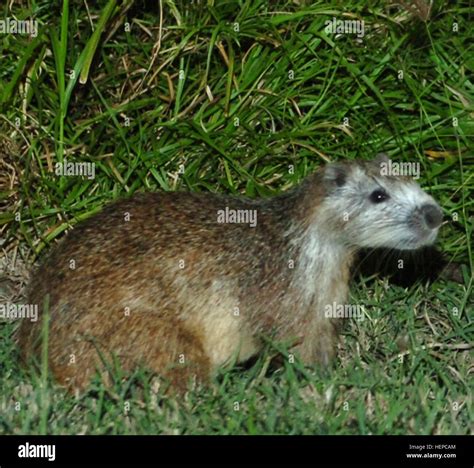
[372, 210]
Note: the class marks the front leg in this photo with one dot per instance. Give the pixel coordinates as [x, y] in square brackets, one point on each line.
[318, 342]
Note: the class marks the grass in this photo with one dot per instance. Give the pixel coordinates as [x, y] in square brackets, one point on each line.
[243, 97]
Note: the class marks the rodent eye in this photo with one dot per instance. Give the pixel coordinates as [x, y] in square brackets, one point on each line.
[378, 196]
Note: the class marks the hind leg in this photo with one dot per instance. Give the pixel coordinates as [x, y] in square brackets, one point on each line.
[164, 346]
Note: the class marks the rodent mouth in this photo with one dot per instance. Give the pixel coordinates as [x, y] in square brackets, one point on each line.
[423, 237]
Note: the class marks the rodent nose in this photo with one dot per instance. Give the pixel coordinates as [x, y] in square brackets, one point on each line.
[432, 215]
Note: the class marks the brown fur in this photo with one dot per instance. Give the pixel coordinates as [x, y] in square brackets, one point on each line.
[174, 290]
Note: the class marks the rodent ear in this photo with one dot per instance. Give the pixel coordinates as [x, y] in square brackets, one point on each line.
[335, 175]
[381, 158]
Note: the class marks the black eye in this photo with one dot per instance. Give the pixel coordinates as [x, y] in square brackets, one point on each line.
[378, 196]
